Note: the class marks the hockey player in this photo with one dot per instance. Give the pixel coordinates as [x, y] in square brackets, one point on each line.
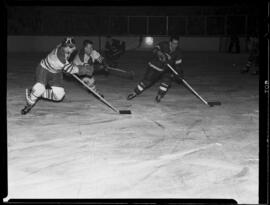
[113, 50]
[166, 52]
[90, 57]
[253, 59]
[49, 75]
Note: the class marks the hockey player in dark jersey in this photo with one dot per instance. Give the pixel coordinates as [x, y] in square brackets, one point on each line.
[166, 52]
[49, 75]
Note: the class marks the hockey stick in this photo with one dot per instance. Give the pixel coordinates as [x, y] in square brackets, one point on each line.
[130, 73]
[116, 53]
[211, 104]
[101, 98]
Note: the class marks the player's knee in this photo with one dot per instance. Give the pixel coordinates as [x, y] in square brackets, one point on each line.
[38, 89]
[146, 83]
[58, 93]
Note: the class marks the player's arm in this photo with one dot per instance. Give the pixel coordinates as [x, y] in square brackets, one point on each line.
[99, 58]
[70, 67]
[177, 63]
[157, 50]
[85, 69]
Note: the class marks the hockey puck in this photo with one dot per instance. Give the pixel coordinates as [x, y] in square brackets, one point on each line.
[211, 104]
[128, 112]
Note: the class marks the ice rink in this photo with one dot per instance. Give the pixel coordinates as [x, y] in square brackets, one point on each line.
[179, 148]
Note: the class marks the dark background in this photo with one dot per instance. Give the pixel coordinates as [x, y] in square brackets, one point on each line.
[241, 19]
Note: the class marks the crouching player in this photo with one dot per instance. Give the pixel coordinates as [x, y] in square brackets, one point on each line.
[87, 56]
[49, 75]
[166, 52]
[113, 50]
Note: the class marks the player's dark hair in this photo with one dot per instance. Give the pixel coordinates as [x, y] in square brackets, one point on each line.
[86, 42]
[174, 37]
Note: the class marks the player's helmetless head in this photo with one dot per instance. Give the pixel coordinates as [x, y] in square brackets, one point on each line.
[174, 42]
[88, 47]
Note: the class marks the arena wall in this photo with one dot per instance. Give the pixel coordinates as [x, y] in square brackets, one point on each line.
[46, 43]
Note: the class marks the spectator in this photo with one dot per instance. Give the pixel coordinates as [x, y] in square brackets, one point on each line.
[253, 59]
[234, 42]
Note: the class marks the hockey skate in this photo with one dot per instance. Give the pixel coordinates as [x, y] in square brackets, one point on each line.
[105, 71]
[245, 70]
[159, 97]
[131, 96]
[99, 93]
[28, 106]
[95, 92]
[255, 72]
[26, 109]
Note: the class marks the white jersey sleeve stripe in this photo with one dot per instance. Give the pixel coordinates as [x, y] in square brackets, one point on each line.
[48, 64]
[69, 69]
[178, 61]
[67, 66]
[155, 67]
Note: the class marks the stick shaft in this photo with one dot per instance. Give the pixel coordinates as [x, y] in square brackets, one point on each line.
[117, 69]
[101, 98]
[186, 83]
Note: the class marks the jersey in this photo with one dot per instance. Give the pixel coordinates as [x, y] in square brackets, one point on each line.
[82, 58]
[57, 61]
[174, 56]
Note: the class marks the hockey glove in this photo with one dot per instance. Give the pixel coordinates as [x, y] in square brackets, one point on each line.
[178, 78]
[161, 56]
[86, 70]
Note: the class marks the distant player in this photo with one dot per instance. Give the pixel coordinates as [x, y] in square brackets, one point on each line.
[49, 75]
[253, 59]
[163, 53]
[113, 50]
[90, 57]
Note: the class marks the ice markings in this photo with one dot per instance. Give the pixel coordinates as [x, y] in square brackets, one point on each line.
[242, 173]
[196, 122]
[158, 124]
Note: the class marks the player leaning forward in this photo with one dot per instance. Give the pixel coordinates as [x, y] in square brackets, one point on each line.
[49, 75]
[90, 57]
[166, 52]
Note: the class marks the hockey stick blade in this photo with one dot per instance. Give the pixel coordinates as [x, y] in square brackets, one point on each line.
[128, 112]
[211, 104]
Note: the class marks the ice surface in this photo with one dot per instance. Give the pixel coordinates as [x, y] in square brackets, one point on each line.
[179, 148]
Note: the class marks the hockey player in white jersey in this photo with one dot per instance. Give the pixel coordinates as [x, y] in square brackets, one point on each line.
[91, 58]
[49, 75]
